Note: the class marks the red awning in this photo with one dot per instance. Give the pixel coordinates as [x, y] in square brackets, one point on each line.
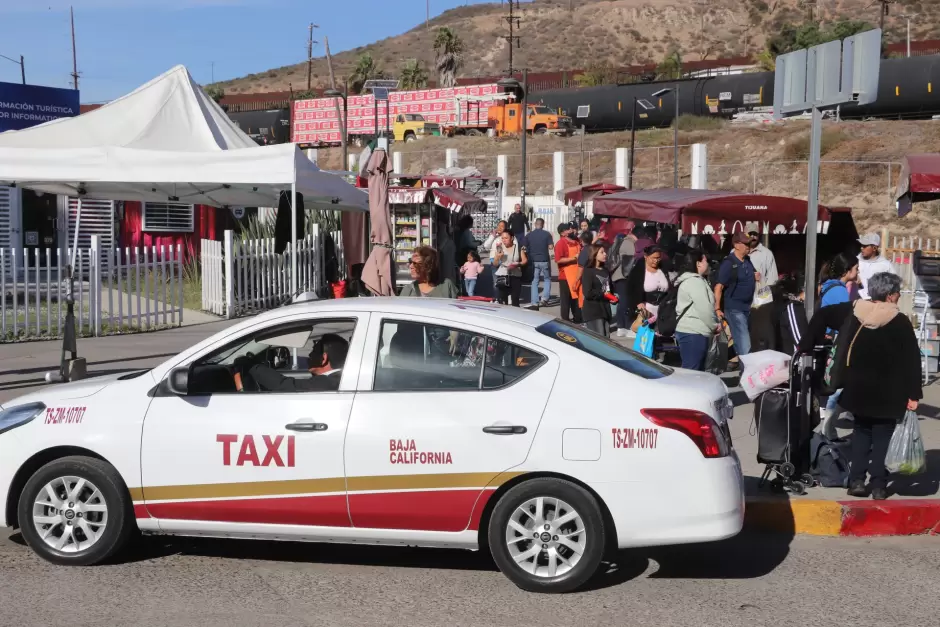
[584, 193]
[701, 211]
[457, 200]
[919, 182]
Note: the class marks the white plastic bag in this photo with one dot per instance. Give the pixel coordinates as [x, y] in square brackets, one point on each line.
[764, 370]
[906, 454]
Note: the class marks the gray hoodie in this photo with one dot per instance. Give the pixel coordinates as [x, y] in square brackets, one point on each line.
[697, 300]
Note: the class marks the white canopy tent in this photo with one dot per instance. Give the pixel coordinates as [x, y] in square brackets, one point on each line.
[167, 141]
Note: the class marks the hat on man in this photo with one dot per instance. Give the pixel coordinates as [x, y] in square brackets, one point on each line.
[870, 239]
[740, 238]
[751, 227]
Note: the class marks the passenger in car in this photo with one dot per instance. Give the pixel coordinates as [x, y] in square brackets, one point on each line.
[326, 361]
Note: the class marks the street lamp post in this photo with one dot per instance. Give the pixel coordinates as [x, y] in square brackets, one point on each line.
[675, 135]
[512, 83]
[335, 93]
[22, 65]
[647, 105]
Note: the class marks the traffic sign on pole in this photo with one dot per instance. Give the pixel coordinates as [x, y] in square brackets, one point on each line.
[825, 76]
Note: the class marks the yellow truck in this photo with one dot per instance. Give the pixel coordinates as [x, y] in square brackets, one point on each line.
[411, 127]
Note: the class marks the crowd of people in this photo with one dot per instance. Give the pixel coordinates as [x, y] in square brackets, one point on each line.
[631, 280]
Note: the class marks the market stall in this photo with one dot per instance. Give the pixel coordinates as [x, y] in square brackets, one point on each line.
[720, 214]
[424, 216]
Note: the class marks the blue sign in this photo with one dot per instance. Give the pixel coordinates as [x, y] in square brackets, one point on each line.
[22, 106]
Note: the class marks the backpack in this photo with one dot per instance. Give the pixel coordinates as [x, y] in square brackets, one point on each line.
[838, 359]
[829, 461]
[613, 257]
[667, 318]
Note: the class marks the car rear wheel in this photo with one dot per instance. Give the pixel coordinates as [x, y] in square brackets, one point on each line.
[75, 511]
[410, 137]
[547, 535]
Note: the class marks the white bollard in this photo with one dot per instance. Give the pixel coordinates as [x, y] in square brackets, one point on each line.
[699, 166]
[621, 163]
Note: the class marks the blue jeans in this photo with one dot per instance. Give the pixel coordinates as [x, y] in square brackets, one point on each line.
[739, 321]
[541, 269]
[471, 285]
[693, 348]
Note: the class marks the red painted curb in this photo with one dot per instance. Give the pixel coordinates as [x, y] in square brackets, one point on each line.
[907, 517]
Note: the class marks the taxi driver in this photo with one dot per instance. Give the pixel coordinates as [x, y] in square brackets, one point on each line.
[325, 363]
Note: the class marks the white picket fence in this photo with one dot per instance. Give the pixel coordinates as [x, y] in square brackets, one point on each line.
[115, 290]
[241, 277]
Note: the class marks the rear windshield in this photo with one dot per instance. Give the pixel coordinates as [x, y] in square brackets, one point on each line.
[603, 348]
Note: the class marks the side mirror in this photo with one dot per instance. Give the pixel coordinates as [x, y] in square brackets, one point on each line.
[178, 381]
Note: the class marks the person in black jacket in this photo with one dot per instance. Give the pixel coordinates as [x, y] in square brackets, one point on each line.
[646, 284]
[595, 283]
[789, 312]
[518, 222]
[325, 362]
[881, 377]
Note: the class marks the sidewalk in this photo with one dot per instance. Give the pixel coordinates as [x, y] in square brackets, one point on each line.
[913, 508]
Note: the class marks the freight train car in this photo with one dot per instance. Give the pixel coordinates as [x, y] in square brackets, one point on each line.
[610, 107]
[908, 88]
[265, 127]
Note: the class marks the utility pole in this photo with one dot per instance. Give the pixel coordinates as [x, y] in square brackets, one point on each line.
[342, 120]
[310, 43]
[883, 4]
[74, 54]
[513, 39]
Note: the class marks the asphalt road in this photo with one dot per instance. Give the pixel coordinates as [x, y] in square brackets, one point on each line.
[752, 580]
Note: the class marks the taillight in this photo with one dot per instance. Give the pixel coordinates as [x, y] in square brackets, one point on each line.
[699, 427]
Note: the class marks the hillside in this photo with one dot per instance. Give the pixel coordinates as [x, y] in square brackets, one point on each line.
[563, 34]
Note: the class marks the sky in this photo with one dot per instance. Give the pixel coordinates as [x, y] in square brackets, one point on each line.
[124, 43]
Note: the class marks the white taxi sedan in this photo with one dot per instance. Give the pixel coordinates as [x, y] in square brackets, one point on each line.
[439, 423]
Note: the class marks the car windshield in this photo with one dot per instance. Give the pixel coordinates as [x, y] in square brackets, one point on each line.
[542, 110]
[605, 349]
[413, 117]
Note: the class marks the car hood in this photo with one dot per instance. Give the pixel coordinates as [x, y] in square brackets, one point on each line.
[64, 391]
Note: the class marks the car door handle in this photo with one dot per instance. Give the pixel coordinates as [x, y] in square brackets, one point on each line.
[505, 429]
[306, 426]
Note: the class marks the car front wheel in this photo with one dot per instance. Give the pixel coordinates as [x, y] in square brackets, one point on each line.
[547, 535]
[75, 511]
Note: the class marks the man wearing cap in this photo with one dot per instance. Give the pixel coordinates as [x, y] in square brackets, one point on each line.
[325, 363]
[870, 261]
[734, 292]
[763, 333]
[566, 257]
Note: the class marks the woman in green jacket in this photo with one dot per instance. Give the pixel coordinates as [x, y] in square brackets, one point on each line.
[695, 309]
[424, 273]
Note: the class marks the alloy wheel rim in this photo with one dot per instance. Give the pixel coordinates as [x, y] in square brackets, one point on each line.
[70, 514]
[546, 537]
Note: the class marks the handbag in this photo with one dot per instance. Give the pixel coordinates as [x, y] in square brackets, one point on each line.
[502, 280]
[641, 317]
[645, 339]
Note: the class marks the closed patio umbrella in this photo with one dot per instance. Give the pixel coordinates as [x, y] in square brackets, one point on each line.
[379, 272]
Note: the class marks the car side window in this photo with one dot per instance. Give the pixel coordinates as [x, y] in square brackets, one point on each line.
[507, 363]
[422, 357]
[417, 357]
[264, 360]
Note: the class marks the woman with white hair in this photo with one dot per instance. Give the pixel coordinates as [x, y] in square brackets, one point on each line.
[881, 374]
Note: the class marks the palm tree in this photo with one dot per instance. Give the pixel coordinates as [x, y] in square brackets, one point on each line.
[449, 50]
[366, 69]
[413, 75]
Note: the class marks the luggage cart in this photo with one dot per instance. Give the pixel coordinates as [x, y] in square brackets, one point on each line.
[785, 417]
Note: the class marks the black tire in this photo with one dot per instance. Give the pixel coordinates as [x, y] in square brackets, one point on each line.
[787, 469]
[118, 528]
[541, 130]
[410, 137]
[594, 533]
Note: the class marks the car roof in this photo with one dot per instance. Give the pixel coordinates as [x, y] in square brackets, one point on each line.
[464, 310]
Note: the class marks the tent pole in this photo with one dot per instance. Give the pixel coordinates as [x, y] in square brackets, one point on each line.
[293, 236]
